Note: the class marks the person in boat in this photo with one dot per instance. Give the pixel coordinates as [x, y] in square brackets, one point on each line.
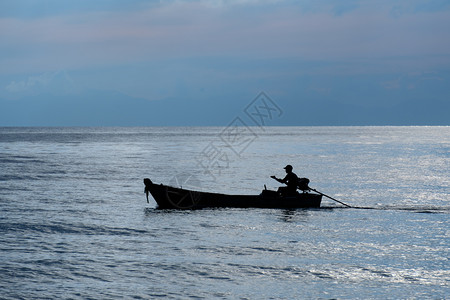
[291, 181]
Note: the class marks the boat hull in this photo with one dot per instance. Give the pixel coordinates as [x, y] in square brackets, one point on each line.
[168, 197]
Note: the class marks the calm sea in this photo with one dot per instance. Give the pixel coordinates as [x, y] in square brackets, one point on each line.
[75, 223]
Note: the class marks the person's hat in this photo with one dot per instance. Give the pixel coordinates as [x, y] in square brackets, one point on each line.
[288, 167]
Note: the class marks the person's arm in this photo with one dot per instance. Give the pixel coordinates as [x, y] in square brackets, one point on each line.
[279, 180]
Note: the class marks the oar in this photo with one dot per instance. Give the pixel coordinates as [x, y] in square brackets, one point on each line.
[329, 197]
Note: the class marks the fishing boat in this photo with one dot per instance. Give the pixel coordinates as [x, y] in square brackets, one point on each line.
[168, 197]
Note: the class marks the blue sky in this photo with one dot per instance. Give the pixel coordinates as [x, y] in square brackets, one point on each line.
[366, 54]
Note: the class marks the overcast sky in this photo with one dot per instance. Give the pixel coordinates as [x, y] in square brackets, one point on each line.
[353, 51]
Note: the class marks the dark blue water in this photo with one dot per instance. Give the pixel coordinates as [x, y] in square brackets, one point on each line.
[75, 224]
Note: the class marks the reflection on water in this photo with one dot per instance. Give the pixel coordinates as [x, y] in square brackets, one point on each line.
[75, 222]
[293, 215]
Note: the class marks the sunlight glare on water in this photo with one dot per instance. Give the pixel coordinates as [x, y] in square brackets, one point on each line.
[75, 223]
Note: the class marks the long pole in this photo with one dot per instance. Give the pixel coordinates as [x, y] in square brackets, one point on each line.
[330, 197]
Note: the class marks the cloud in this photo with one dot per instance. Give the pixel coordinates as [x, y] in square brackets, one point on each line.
[33, 82]
[414, 80]
[351, 50]
[345, 31]
[50, 82]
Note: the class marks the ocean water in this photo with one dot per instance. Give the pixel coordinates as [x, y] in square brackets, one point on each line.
[75, 223]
